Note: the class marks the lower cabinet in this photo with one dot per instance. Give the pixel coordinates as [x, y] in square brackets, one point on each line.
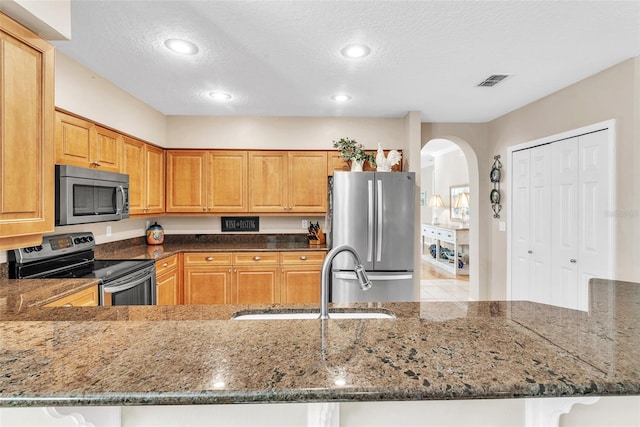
[207, 278]
[300, 277]
[84, 298]
[168, 281]
[252, 277]
[255, 278]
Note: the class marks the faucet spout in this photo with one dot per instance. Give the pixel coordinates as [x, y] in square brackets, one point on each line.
[361, 274]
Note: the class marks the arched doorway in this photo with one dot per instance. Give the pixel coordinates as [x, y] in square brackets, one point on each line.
[451, 147]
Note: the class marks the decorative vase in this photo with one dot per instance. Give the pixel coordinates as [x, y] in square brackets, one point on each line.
[356, 165]
[155, 234]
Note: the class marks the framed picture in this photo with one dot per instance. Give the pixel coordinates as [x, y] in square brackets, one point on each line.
[459, 203]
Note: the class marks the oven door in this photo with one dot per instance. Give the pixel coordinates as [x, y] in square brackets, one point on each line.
[136, 288]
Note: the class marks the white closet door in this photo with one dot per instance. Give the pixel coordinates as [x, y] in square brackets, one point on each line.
[520, 230]
[541, 224]
[564, 224]
[594, 255]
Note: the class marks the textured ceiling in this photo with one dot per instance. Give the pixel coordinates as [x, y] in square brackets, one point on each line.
[282, 58]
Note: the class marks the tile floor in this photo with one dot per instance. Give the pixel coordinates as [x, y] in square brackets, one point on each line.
[437, 285]
[444, 290]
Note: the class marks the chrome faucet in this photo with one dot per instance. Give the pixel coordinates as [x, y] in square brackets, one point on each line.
[361, 274]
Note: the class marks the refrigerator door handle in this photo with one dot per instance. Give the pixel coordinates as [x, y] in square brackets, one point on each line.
[350, 275]
[370, 222]
[379, 228]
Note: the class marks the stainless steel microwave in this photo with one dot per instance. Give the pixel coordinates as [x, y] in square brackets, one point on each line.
[87, 195]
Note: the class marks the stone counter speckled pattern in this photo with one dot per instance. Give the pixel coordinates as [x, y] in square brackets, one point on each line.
[196, 355]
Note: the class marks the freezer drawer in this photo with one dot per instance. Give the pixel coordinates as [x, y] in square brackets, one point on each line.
[386, 287]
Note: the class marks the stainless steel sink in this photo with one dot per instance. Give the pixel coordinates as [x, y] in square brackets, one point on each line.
[309, 315]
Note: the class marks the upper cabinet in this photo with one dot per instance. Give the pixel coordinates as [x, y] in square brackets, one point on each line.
[82, 143]
[201, 181]
[26, 130]
[288, 182]
[144, 164]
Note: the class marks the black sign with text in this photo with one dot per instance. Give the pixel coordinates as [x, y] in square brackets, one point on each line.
[240, 223]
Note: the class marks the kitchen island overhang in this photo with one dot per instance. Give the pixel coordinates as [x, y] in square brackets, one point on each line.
[186, 355]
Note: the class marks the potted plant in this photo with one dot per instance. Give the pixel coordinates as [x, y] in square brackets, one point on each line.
[354, 153]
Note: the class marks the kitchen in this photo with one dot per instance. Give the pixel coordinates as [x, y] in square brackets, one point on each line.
[480, 141]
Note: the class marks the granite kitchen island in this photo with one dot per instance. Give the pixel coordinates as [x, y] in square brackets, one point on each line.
[191, 355]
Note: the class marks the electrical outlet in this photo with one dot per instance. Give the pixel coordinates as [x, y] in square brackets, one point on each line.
[305, 224]
[108, 230]
[147, 224]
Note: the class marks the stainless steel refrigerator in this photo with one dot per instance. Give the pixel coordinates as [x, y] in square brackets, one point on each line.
[374, 213]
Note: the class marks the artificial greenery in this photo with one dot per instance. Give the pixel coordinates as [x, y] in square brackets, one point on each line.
[350, 149]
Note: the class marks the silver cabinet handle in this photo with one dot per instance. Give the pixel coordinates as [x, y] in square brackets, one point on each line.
[164, 264]
[572, 261]
[303, 257]
[529, 251]
[209, 258]
[256, 258]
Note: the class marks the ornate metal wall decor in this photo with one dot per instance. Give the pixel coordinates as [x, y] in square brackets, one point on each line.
[496, 174]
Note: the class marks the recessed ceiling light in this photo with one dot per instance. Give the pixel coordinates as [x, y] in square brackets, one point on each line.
[183, 47]
[355, 51]
[220, 96]
[341, 98]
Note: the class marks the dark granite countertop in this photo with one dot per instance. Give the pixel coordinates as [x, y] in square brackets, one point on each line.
[196, 355]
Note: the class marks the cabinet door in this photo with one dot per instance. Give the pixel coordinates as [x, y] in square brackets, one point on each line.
[155, 179]
[26, 131]
[167, 288]
[73, 140]
[227, 181]
[85, 298]
[210, 285]
[106, 148]
[268, 181]
[520, 229]
[256, 285]
[307, 181]
[300, 284]
[133, 164]
[186, 181]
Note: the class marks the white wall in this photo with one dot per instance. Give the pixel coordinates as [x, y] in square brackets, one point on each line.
[50, 19]
[83, 92]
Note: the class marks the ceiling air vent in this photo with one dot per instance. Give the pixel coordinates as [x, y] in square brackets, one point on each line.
[493, 80]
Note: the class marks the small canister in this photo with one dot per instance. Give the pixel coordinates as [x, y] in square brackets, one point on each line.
[155, 234]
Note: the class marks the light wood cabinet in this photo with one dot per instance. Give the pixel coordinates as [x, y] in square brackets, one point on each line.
[168, 281]
[84, 298]
[206, 181]
[300, 277]
[26, 131]
[144, 164]
[207, 278]
[287, 182]
[80, 142]
[255, 278]
[252, 277]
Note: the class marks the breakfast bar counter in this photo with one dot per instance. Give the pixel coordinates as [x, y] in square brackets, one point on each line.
[184, 355]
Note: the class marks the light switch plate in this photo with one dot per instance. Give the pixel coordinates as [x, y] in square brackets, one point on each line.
[502, 226]
[305, 224]
[108, 230]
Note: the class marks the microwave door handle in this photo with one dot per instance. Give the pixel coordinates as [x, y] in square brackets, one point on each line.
[120, 207]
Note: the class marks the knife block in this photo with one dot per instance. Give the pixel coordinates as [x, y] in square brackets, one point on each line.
[316, 238]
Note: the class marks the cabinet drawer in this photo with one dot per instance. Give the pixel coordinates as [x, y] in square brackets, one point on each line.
[446, 235]
[166, 264]
[84, 298]
[302, 257]
[255, 258]
[428, 231]
[207, 258]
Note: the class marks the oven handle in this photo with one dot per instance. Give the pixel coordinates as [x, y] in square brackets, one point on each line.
[118, 285]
